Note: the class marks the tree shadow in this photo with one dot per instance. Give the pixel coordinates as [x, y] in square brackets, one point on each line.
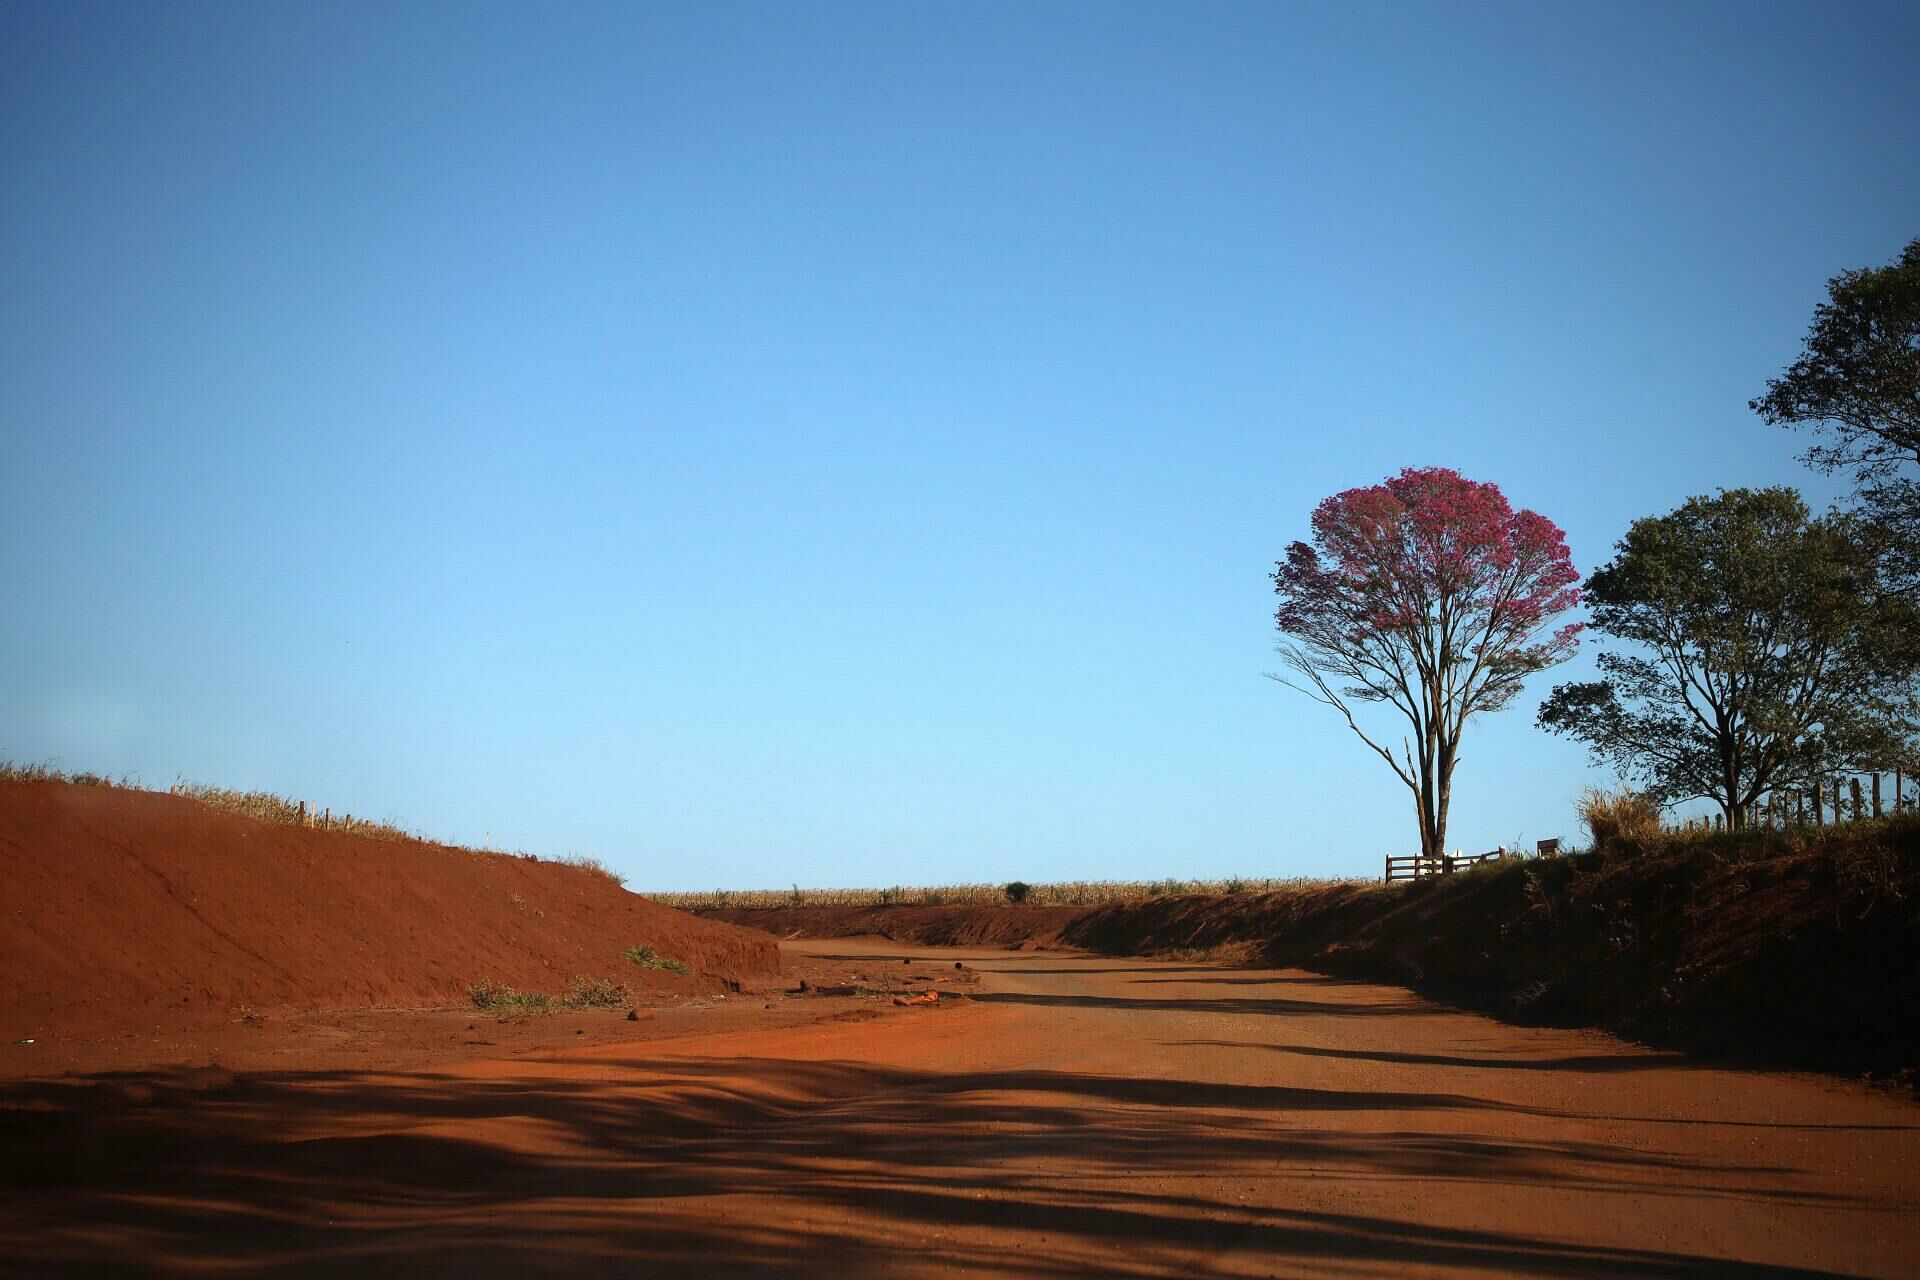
[1593, 1062]
[1272, 979]
[1275, 1006]
[740, 1167]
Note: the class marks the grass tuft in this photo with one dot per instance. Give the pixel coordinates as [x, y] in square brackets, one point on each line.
[490, 997]
[1619, 819]
[581, 993]
[593, 866]
[648, 958]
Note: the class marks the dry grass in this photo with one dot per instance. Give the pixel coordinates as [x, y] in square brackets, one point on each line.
[1619, 818]
[581, 993]
[1069, 893]
[265, 806]
[593, 866]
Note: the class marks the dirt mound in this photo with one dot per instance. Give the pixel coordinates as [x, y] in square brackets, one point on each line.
[1790, 949]
[126, 908]
[926, 926]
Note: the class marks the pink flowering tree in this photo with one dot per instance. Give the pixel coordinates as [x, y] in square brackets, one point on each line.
[1431, 594]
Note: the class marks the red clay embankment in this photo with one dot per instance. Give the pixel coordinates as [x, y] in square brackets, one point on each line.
[1008, 926]
[126, 909]
[1783, 948]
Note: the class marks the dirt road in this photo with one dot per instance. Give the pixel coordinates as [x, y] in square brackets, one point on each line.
[1083, 1117]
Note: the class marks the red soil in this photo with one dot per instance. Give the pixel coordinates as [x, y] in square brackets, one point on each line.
[967, 926]
[131, 910]
[1785, 949]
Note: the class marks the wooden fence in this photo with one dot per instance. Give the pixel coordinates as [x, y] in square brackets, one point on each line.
[1836, 800]
[1417, 867]
[1828, 802]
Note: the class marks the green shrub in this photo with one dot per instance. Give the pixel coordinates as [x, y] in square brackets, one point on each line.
[594, 993]
[1017, 891]
[648, 958]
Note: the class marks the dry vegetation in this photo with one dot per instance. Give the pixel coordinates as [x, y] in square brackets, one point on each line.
[1619, 817]
[265, 806]
[581, 993]
[1068, 893]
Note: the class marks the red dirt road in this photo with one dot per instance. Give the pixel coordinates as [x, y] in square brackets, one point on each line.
[1083, 1117]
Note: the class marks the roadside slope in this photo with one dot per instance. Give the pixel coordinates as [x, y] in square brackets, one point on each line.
[1782, 948]
[128, 908]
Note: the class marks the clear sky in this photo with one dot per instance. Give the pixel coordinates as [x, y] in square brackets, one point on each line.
[847, 444]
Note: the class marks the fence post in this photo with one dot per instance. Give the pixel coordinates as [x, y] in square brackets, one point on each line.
[1389, 871]
[1859, 807]
[1876, 796]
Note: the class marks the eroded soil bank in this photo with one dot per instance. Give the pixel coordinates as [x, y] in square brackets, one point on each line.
[133, 911]
[1799, 950]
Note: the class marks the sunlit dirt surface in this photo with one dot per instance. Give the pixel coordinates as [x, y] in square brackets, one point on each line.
[1075, 1117]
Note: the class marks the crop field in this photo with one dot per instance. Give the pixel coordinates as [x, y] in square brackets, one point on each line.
[1065, 893]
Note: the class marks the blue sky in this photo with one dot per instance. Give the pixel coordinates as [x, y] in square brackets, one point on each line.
[846, 444]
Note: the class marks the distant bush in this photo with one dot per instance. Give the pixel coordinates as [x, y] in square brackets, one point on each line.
[648, 958]
[1018, 891]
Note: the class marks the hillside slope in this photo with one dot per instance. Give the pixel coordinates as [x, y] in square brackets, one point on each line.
[125, 909]
[1784, 948]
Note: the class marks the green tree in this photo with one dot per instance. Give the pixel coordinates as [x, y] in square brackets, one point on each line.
[1857, 384]
[1765, 653]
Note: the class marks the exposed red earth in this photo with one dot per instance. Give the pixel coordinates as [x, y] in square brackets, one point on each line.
[955, 926]
[1776, 948]
[133, 912]
[323, 1104]
[1078, 1116]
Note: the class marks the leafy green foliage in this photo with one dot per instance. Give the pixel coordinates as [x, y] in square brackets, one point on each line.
[1765, 653]
[1857, 383]
[1858, 379]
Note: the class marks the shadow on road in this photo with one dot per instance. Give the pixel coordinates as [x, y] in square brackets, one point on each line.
[1271, 1006]
[746, 1167]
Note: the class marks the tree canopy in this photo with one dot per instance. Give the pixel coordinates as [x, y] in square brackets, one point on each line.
[1765, 654]
[1857, 383]
[1858, 379]
[1431, 594]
